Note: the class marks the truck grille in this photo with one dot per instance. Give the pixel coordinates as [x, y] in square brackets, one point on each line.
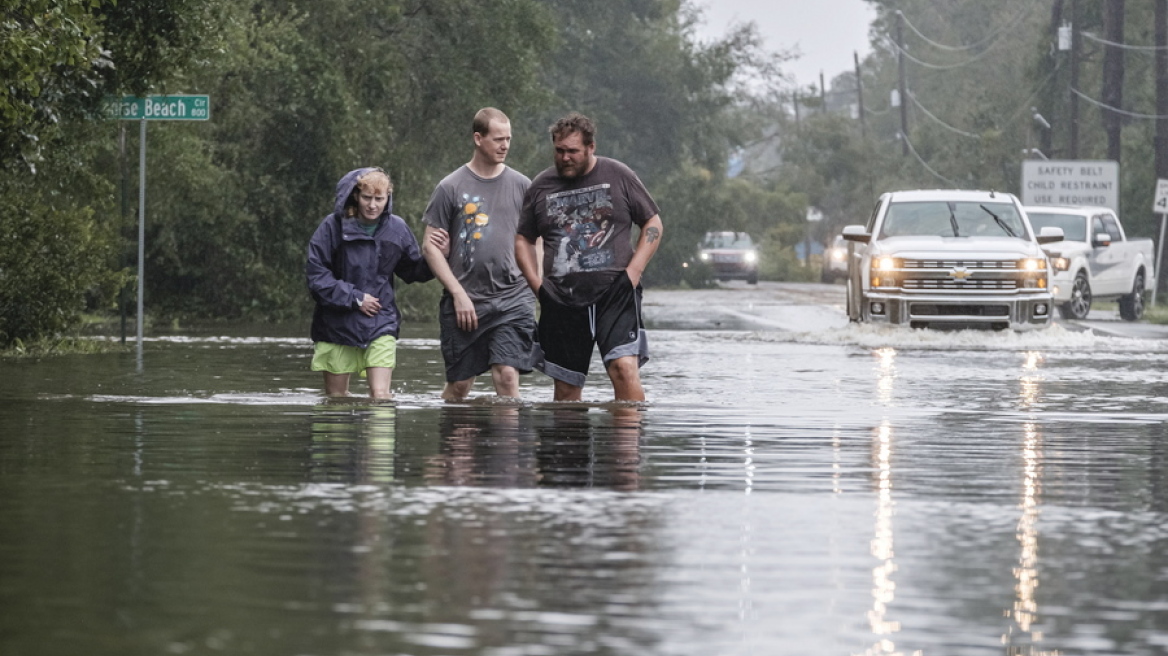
[960, 285]
[997, 265]
[960, 276]
[931, 310]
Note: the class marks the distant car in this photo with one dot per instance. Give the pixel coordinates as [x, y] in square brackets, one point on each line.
[730, 255]
[835, 261]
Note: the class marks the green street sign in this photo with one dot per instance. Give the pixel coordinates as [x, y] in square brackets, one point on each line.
[159, 108]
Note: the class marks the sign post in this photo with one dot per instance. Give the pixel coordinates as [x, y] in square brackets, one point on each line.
[152, 108]
[1160, 206]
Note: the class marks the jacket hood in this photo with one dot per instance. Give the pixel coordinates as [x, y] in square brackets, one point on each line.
[345, 188]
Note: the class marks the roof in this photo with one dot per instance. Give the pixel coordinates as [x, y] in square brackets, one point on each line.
[965, 195]
[1083, 210]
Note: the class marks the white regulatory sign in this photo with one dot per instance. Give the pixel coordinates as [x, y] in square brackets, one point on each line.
[1071, 182]
[1160, 205]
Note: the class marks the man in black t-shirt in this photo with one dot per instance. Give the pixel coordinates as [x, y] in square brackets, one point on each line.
[584, 208]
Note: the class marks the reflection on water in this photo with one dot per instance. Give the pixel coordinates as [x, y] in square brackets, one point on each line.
[556, 445]
[353, 446]
[883, 586]
[779, 495]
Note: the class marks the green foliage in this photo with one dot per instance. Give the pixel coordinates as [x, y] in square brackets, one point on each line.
[49, 54]
[53, 256]
[302, 92]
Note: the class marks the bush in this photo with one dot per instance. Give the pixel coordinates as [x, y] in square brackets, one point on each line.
[51, 260]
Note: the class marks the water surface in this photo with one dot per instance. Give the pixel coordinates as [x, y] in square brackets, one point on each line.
[834, 490]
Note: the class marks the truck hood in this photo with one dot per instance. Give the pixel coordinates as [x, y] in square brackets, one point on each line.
[956, 247]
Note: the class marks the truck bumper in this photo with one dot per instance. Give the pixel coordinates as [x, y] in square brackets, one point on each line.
[1018, 312]
[1061, 284]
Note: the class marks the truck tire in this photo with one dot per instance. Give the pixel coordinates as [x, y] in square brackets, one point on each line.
[1131, 306]
[1080, 303]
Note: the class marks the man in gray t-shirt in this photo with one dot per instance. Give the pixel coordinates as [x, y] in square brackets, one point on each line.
[487, 312]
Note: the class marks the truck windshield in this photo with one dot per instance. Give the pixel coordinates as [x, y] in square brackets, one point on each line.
[975, 219]
[1074, 227]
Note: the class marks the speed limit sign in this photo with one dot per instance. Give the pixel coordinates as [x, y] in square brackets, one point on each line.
[1160, 205]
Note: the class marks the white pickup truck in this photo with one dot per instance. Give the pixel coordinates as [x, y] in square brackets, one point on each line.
[949, 258]
[1095, 260]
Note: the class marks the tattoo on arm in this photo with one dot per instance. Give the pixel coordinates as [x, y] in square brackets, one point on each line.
[652, 235]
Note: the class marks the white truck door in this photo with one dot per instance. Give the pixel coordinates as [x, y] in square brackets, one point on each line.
[1107, 267]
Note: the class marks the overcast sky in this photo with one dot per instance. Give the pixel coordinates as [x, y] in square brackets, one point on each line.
[826, 32]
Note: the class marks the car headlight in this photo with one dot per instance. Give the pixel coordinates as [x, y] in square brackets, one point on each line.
[750, 256]
[838, 254]
[705, 257]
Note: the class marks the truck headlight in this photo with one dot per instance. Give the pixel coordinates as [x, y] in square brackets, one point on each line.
[884, 271]
[1060, 263]
[750, 256]
[705, 257]
[1032, 264]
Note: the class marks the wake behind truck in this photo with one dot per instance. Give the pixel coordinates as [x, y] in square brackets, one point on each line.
[952, 258]
[1095, 261]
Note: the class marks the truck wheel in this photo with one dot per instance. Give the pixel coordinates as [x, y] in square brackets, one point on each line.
[1080, 303]
[1131, 306]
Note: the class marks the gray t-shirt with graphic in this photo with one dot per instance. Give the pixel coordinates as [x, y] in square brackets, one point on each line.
[481, 215]
[586, 224]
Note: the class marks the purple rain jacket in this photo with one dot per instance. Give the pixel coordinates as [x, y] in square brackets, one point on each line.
[345, 263]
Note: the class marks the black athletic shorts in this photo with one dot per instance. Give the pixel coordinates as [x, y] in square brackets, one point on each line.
[567, 334]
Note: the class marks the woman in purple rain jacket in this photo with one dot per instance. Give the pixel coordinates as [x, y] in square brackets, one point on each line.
[352, 259]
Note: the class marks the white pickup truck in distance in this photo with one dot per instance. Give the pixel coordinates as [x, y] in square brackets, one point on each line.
[951, 258]
[1095, 261]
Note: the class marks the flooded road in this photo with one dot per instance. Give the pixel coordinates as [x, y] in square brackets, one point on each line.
[796, 485]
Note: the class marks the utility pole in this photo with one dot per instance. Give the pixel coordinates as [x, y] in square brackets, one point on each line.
[860, 92]
[1160, 141]
[1113, 76]
[900, 85]
[1076, 43]
[822, 95]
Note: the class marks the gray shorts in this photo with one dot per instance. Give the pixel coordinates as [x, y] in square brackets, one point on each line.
[504, 336]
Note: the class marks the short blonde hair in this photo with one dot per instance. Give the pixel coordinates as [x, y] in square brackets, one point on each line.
[375, 181]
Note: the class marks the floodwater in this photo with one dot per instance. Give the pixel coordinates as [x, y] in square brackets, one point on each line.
[796, 485]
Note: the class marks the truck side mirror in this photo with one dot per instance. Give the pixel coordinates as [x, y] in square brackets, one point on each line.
[1049, 234]
[856, 233]
[1102, 240]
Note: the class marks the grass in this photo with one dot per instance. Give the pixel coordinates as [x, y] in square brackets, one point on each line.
[67, 345]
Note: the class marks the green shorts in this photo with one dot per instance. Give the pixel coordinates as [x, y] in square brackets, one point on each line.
[337, 359]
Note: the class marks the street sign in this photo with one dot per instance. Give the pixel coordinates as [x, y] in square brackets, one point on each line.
[159, 108]
[152, 108]
[1071, 182]
[1160, 204]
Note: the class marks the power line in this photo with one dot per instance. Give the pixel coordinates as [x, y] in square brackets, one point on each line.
[923, 163]
[1008, 25]
[1154, 117]
[1124, 46]
[939, 67]
[921, 107]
